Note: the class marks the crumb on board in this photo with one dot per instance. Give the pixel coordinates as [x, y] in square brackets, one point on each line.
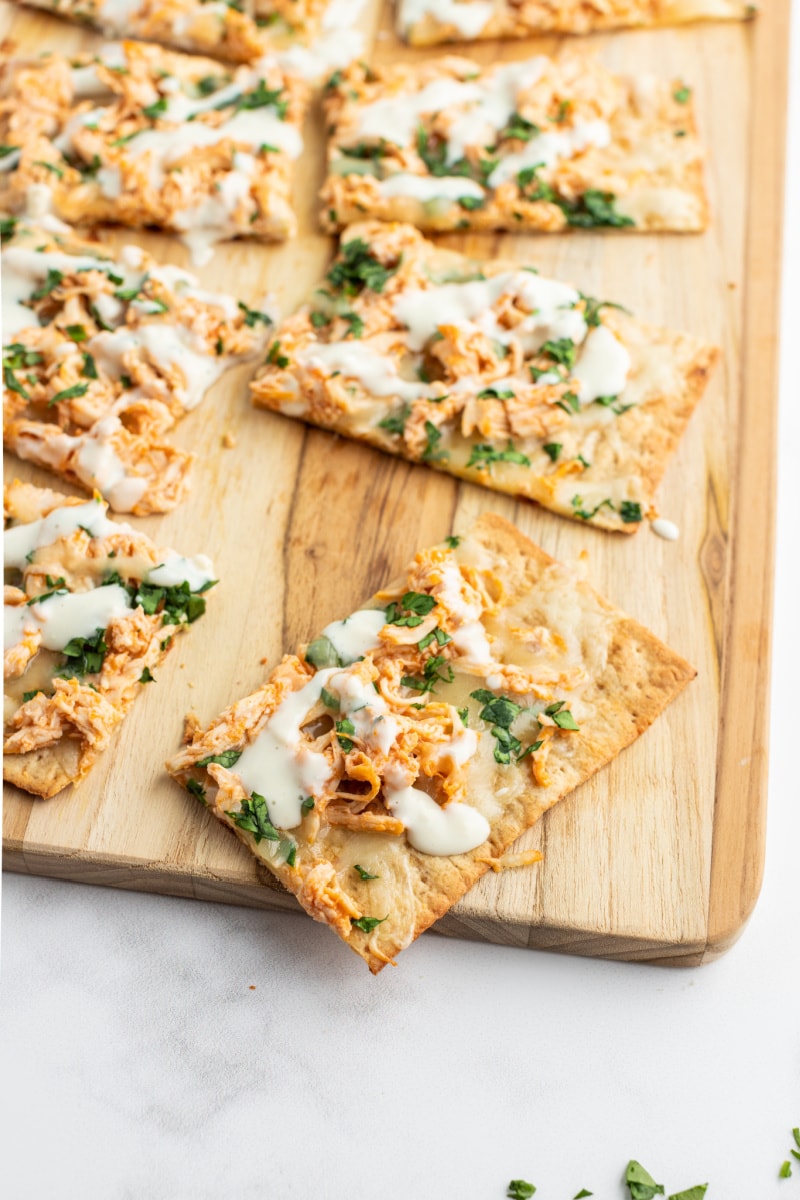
[228, 440]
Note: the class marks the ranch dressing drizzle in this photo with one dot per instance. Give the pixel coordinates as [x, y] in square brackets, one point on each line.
[366, 709]
[665, 529]
[356, 635]
[279, 764]
[168, 346]
[431, 828]
[545, 149]
[602, 367]
[395, 118]
[468, 18]
[425, 188]
[176, 569]
[377, 374]
[75, 614]
[24, 270]
[20, 540]
[479, 123]
[549, 302]
[17, 621]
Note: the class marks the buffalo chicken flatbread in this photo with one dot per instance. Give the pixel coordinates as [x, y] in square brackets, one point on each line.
[308, 37]
[381, 770]
[425, 22]
[103, 354]
[143, 136]
[488, 371]
[545, 144]
[91, 609]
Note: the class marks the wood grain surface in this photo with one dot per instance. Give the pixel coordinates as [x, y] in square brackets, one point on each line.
[660, 856]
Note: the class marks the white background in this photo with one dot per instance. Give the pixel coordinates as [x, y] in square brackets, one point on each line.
[137, 1063]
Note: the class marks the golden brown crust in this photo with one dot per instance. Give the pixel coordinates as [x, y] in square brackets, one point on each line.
[603, 465]
[625, 156]
[632, 676]
[61, 711]
[523, 18]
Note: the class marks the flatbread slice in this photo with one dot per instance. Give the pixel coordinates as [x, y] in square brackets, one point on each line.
[545, 144]
[380, 771]
[490, 372]
[427, 22]
[310, 37]
[90, 613]
[142, 136]
[103, 354]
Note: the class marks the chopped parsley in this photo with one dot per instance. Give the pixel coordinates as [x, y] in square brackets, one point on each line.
[438, 635]
[26, 696]
[500, 713]
[569, 402]
[156, 110]
[318, 319]
[640, 1182]
[89, 368]
[253, 817]
[410, 610]
[453, 541]
[593, 308]
[367, 924]
[552, 450]
[395, 423]
[499, 393]
[252, 316]
[70, 393]
[59, 171]
[630, 511]
[179, 604]
[594, 208]
[520, 1189]
[693, 1193]
[682, 94]
[364, 874]
[77, 333]
[357, 268]
[85, 655]
[329, 700]
[259, 97]
[470, 203]
[52, 281]
[355, 324]
[343, 728]
[562, 716]
[227, 759]
[7, 227]
[275, 356]
[484, 456]
[147, 676]
[307, 805]
[436, 670]
[322, 653]
[561, 350]
[520, 128]
[587, 514]
[197, 790]
[288, 849]
[431, 453]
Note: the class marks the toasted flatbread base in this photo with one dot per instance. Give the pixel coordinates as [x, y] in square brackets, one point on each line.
[627, 454]
[639, 677]
[651, 166]
[502, 19]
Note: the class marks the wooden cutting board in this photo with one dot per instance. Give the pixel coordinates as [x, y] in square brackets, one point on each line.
[660, 856]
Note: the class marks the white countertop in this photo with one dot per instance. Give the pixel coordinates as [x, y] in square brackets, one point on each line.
[160, 1049]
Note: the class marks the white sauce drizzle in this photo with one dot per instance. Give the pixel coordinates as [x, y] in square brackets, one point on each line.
[24, 270]
[377, 374]
[176, 569]
[279, 764]
[72, 615]
[546, 149]
[467, 17]
[357, 634]
[167, 346]
[20, 540]
[665, 529]
[426, 188]
[431, 828]
[602, 367]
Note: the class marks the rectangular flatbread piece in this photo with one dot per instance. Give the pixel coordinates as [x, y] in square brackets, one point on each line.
[490, 372]
[380, 771]
[91, 609]
[427, 22]
[103, 352]
[543, 144]
[309, 38]
[142, 136]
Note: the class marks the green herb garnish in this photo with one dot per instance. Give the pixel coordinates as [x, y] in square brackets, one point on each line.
[520, 1189]
[367, 924]
[227, 759]
[640, 1182]
[253, 817]
[364, 874]
[484, 456]
[357, 268]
